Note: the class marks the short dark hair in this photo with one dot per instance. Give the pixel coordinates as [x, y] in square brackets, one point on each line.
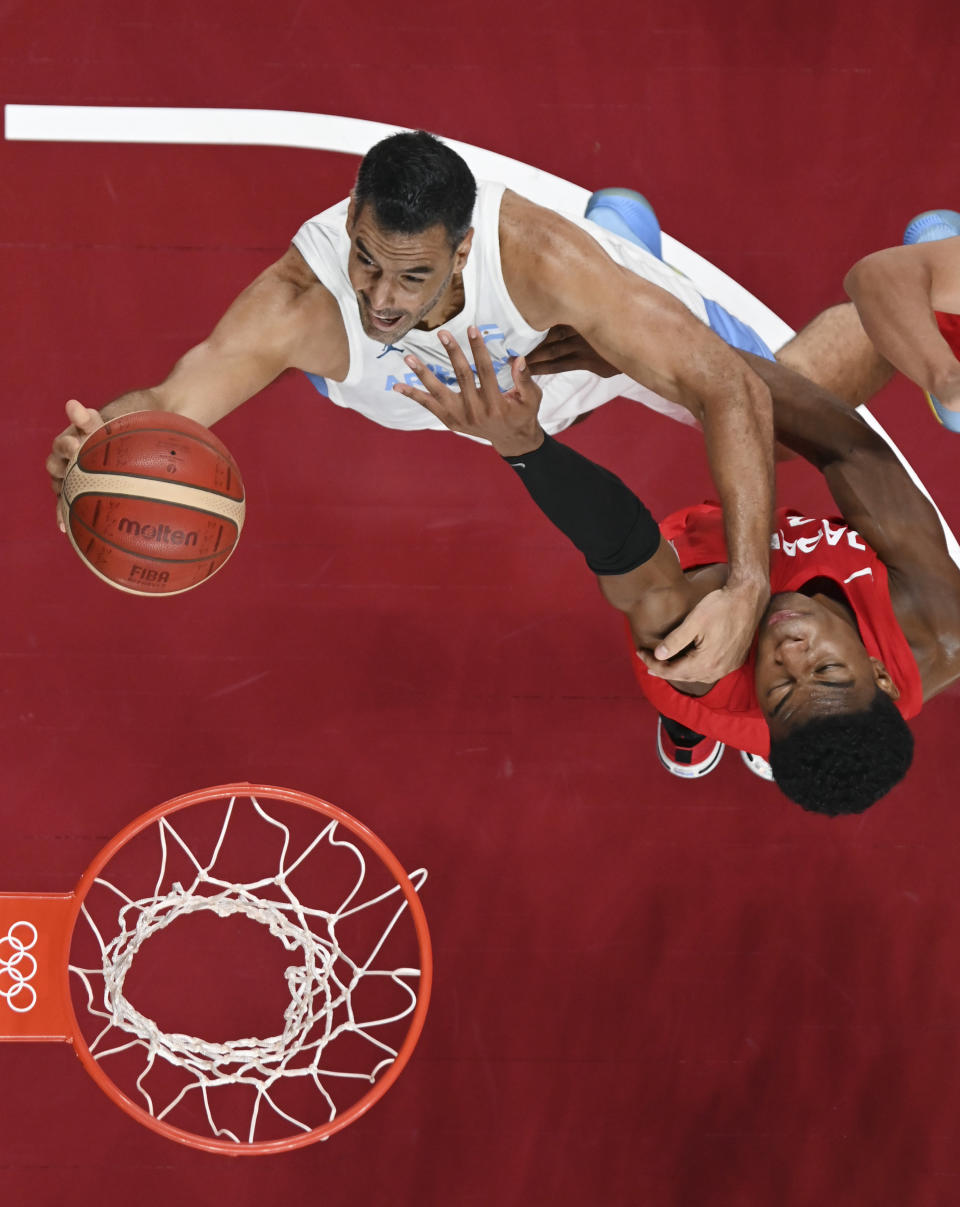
[414, 181]
[844, 763]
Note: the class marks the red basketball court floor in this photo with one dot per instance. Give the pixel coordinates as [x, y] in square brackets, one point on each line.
[647, 992]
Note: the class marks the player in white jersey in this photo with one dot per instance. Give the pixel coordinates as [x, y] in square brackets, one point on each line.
[368, 286]
[324, 243]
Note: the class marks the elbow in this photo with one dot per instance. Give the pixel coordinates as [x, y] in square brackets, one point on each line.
[853, 281]
[876, 274]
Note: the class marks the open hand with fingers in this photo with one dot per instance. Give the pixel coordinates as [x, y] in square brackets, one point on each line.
[507, 419]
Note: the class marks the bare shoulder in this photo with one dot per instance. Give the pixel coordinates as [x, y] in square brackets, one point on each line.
[540, 251]
[520, 218]
[296, 314]
[290, 287]
[532, 234]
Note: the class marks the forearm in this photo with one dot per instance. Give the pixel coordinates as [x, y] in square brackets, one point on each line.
[809, 420]
[872, 490]
[135, 400]
[892, 295]
[589, 505]
[738, 431]
[207, 383]
[690, 365]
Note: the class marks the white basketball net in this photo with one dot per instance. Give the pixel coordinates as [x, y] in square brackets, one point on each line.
[323, 982]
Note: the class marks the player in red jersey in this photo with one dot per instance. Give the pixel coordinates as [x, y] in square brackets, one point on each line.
[865, 622]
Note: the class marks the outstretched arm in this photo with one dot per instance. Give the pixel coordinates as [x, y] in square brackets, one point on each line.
[896, 291]
[284, 319]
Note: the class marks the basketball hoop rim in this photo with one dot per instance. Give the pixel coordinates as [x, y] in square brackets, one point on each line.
[417, 1018]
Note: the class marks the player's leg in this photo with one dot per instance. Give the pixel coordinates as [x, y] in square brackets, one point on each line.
[834, 351]
[630, 215]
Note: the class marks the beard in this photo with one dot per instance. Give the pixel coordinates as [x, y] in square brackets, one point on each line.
[403, 321]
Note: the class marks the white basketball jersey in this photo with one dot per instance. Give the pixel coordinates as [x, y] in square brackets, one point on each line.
[375, 367]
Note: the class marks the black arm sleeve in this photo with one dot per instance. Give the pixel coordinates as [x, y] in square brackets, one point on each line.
[603, 517]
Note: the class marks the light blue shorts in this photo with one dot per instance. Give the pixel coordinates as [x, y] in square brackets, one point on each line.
[734, 332]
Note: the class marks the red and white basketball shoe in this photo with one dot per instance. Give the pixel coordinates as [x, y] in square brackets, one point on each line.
[688, 762]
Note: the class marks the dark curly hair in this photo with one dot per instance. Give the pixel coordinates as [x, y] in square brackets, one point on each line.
[843, 764]
[414, 181]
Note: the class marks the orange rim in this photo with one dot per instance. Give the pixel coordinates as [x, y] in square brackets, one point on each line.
[383, 1083]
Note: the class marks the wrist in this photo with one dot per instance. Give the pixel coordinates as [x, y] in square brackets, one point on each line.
[751, 584]
[517, 444]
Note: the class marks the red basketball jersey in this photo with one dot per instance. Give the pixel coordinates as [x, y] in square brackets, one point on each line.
[949, 325]
[801, 549]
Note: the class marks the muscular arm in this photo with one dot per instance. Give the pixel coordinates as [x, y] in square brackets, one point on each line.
[557, 274]
[896, 291]
[284, 319]
[250, 346]
[877, 497]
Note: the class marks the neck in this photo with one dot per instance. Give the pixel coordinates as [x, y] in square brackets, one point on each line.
[447, 306]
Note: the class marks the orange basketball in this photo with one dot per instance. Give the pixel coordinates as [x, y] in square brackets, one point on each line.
[153, 503]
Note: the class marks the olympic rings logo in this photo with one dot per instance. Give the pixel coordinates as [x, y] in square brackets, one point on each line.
[18, 967]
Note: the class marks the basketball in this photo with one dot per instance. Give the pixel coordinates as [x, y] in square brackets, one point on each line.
[153, 503]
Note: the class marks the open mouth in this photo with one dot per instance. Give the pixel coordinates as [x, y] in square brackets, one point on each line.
[384, 322]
